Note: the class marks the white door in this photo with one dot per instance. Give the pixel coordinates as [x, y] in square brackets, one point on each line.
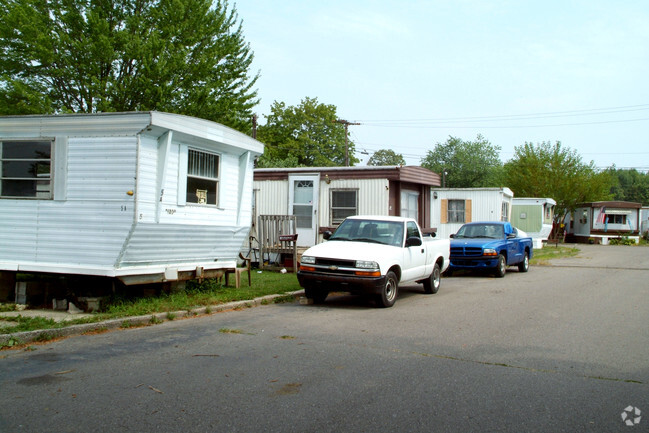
[303, 203]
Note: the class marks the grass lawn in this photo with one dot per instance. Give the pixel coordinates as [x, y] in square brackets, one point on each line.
[208, 293]
[541, 257]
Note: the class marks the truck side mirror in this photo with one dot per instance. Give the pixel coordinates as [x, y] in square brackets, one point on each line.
[413, 241]
[452, 236]
[326, 235]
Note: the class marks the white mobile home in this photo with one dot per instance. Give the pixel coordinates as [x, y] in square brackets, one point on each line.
[321, 197]
[534, 216]
[452, 207]
[143, 197]
[598, 222]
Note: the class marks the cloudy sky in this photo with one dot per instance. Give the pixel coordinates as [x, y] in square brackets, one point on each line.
[414, 73]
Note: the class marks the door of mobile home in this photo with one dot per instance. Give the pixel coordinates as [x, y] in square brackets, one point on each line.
[303, 193]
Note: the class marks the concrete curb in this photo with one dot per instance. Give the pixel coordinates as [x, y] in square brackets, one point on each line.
[20, 338]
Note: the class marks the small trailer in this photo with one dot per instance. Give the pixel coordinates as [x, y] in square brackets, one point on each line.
[141, 197]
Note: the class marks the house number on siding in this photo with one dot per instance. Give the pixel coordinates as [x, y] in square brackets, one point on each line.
[171, 211]
[123, 208]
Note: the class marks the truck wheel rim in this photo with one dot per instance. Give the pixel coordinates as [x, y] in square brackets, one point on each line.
[389, 290]
[436, 278]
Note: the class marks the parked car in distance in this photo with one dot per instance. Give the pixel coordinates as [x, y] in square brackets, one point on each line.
[373, 255]
[490, 246]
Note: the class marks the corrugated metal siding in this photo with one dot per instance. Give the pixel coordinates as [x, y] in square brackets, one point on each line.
[373, 197]
[153, 244]
[101, 168]
[90, 225]
[533, 221]
[486, 205]
[271, 197]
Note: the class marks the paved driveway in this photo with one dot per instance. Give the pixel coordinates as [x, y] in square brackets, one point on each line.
[560, 348]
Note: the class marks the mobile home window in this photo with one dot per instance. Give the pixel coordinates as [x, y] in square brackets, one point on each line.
[344, 203]
[202, 177]
[504, 211]
[456, 211]
[616, 219]
[26, 169]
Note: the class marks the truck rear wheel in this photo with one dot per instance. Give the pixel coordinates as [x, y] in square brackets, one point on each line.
[389, 291]
[524, 266]
[501, 269]
[432, 283]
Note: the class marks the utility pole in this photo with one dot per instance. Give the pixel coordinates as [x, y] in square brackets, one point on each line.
[346, 123]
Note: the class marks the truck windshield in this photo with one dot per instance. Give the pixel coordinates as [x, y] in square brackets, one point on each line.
[490, 231]
[373, 231]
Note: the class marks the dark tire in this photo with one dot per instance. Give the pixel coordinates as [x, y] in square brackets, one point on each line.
[501, 269]
[389, 292]
[318, 296]
[524, 266]
[432, 283]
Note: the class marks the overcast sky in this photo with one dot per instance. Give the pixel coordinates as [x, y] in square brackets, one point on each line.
[414, 73]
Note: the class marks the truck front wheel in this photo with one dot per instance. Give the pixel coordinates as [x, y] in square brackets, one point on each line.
[318, 296]
[432, 283]
[501, 269]
[389, 291]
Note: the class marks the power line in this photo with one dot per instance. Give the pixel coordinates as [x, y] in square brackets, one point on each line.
[529, 116]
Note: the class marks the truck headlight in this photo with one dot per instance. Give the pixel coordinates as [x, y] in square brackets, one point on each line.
[308, 260]
[489, 252]
[364, 264]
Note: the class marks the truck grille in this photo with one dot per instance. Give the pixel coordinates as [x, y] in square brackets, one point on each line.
[335, 262]
[466, 251]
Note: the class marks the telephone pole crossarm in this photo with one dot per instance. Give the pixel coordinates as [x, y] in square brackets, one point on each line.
[346, 123]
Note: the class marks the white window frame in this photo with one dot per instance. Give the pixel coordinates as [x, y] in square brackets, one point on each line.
[202, 175]
[41, 180]
[354, 210]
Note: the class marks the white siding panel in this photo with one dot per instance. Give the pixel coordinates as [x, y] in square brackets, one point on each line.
[373, 197]
[152, 244]
[147, 194]
[18, 229]
[101, 168]
[271, 197]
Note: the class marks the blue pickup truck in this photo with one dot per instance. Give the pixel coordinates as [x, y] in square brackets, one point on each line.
[490, 246]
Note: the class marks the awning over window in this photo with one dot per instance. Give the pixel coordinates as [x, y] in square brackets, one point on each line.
[617, 212]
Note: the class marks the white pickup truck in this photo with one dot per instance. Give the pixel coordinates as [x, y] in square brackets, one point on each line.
[373, 255]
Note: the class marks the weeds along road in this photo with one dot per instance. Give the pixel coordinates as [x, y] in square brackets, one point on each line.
[561, 348]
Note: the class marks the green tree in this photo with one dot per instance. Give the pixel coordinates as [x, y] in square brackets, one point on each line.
[468, 164]
[179, 56]
[304, 135]
[386, 157]
[629, 185]
[550, 170]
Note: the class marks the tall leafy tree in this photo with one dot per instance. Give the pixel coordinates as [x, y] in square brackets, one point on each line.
[551, 170]
[386, 157]
[630, 185]
[180, 56]
[304, 135]
[468, 164]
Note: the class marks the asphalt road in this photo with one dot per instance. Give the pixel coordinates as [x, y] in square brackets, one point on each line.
[560, 348]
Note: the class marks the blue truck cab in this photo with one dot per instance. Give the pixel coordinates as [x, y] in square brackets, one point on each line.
[490, 246]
